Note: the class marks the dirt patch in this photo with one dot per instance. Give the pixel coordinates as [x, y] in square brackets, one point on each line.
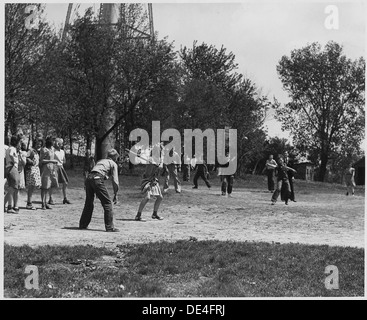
[324, 216]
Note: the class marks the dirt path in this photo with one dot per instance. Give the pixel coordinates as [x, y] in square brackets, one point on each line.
[318, 217]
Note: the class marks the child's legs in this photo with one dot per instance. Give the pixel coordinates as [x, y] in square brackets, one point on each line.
[224, 184]
[29, 194]
[230, 184]
[64, 186]
[157, 203]
[44, 193]
[9, 197]
[277, 191]
[143, 203]
[196, 177]
[15, 198]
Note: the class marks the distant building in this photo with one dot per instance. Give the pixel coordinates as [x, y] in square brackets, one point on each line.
[305, 171]
[360, 172]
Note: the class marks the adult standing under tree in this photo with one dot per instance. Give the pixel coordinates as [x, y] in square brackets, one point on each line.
[95, 186]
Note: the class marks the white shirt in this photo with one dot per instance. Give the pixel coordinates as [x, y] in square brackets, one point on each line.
[11, 157]
[60, 157]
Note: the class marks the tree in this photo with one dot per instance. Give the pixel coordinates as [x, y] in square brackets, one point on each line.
[26, 49]
[214, 95]
[327, 100]
[113, 74]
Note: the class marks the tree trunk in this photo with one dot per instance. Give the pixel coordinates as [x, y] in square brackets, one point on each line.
[324, 160]
[98, 151]
[71, 150]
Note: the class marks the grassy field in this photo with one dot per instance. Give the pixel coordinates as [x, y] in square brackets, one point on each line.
[184, 269]
[206, 255]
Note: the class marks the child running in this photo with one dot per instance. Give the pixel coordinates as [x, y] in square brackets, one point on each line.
[201, 171]
[282, 179]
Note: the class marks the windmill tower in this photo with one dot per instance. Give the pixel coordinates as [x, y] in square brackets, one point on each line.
[113, 15]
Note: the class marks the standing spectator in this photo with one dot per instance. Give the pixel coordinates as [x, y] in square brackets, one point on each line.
[201, 172]
[48, 171]
[22, 153]
[6, 146]
[12, 176]
[226, 180]
[349, 174]
[94, 186]
[186, 168]
[282, 179]
[170, 169]
[270, 167]
[288, 162]
[32, 172]
[62, 177]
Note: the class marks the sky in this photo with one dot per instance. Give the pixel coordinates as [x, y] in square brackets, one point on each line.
[258, 33]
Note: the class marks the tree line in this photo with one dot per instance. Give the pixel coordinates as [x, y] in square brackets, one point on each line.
[103, 82]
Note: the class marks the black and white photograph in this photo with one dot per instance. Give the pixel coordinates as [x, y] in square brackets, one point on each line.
[193, 152]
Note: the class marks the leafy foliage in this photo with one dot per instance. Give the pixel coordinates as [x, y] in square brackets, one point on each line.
[326, 112]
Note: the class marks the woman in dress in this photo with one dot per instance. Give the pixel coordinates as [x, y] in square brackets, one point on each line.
[48, 172]
[32, 172]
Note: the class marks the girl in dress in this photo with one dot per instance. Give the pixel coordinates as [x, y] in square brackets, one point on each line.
[12, 176]
[22, 155]
[48, 172]
[150, 188]
[32, 172]
[62, 176]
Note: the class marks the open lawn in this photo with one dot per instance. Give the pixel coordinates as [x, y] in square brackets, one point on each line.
[206, 246]
[323, 214]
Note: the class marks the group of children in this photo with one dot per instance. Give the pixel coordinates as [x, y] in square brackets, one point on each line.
[150, 189]
[284, 175]
[42, 167]
[38, 167]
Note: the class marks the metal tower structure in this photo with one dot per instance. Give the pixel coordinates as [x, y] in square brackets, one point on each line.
[112, 14]
[115, 15]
